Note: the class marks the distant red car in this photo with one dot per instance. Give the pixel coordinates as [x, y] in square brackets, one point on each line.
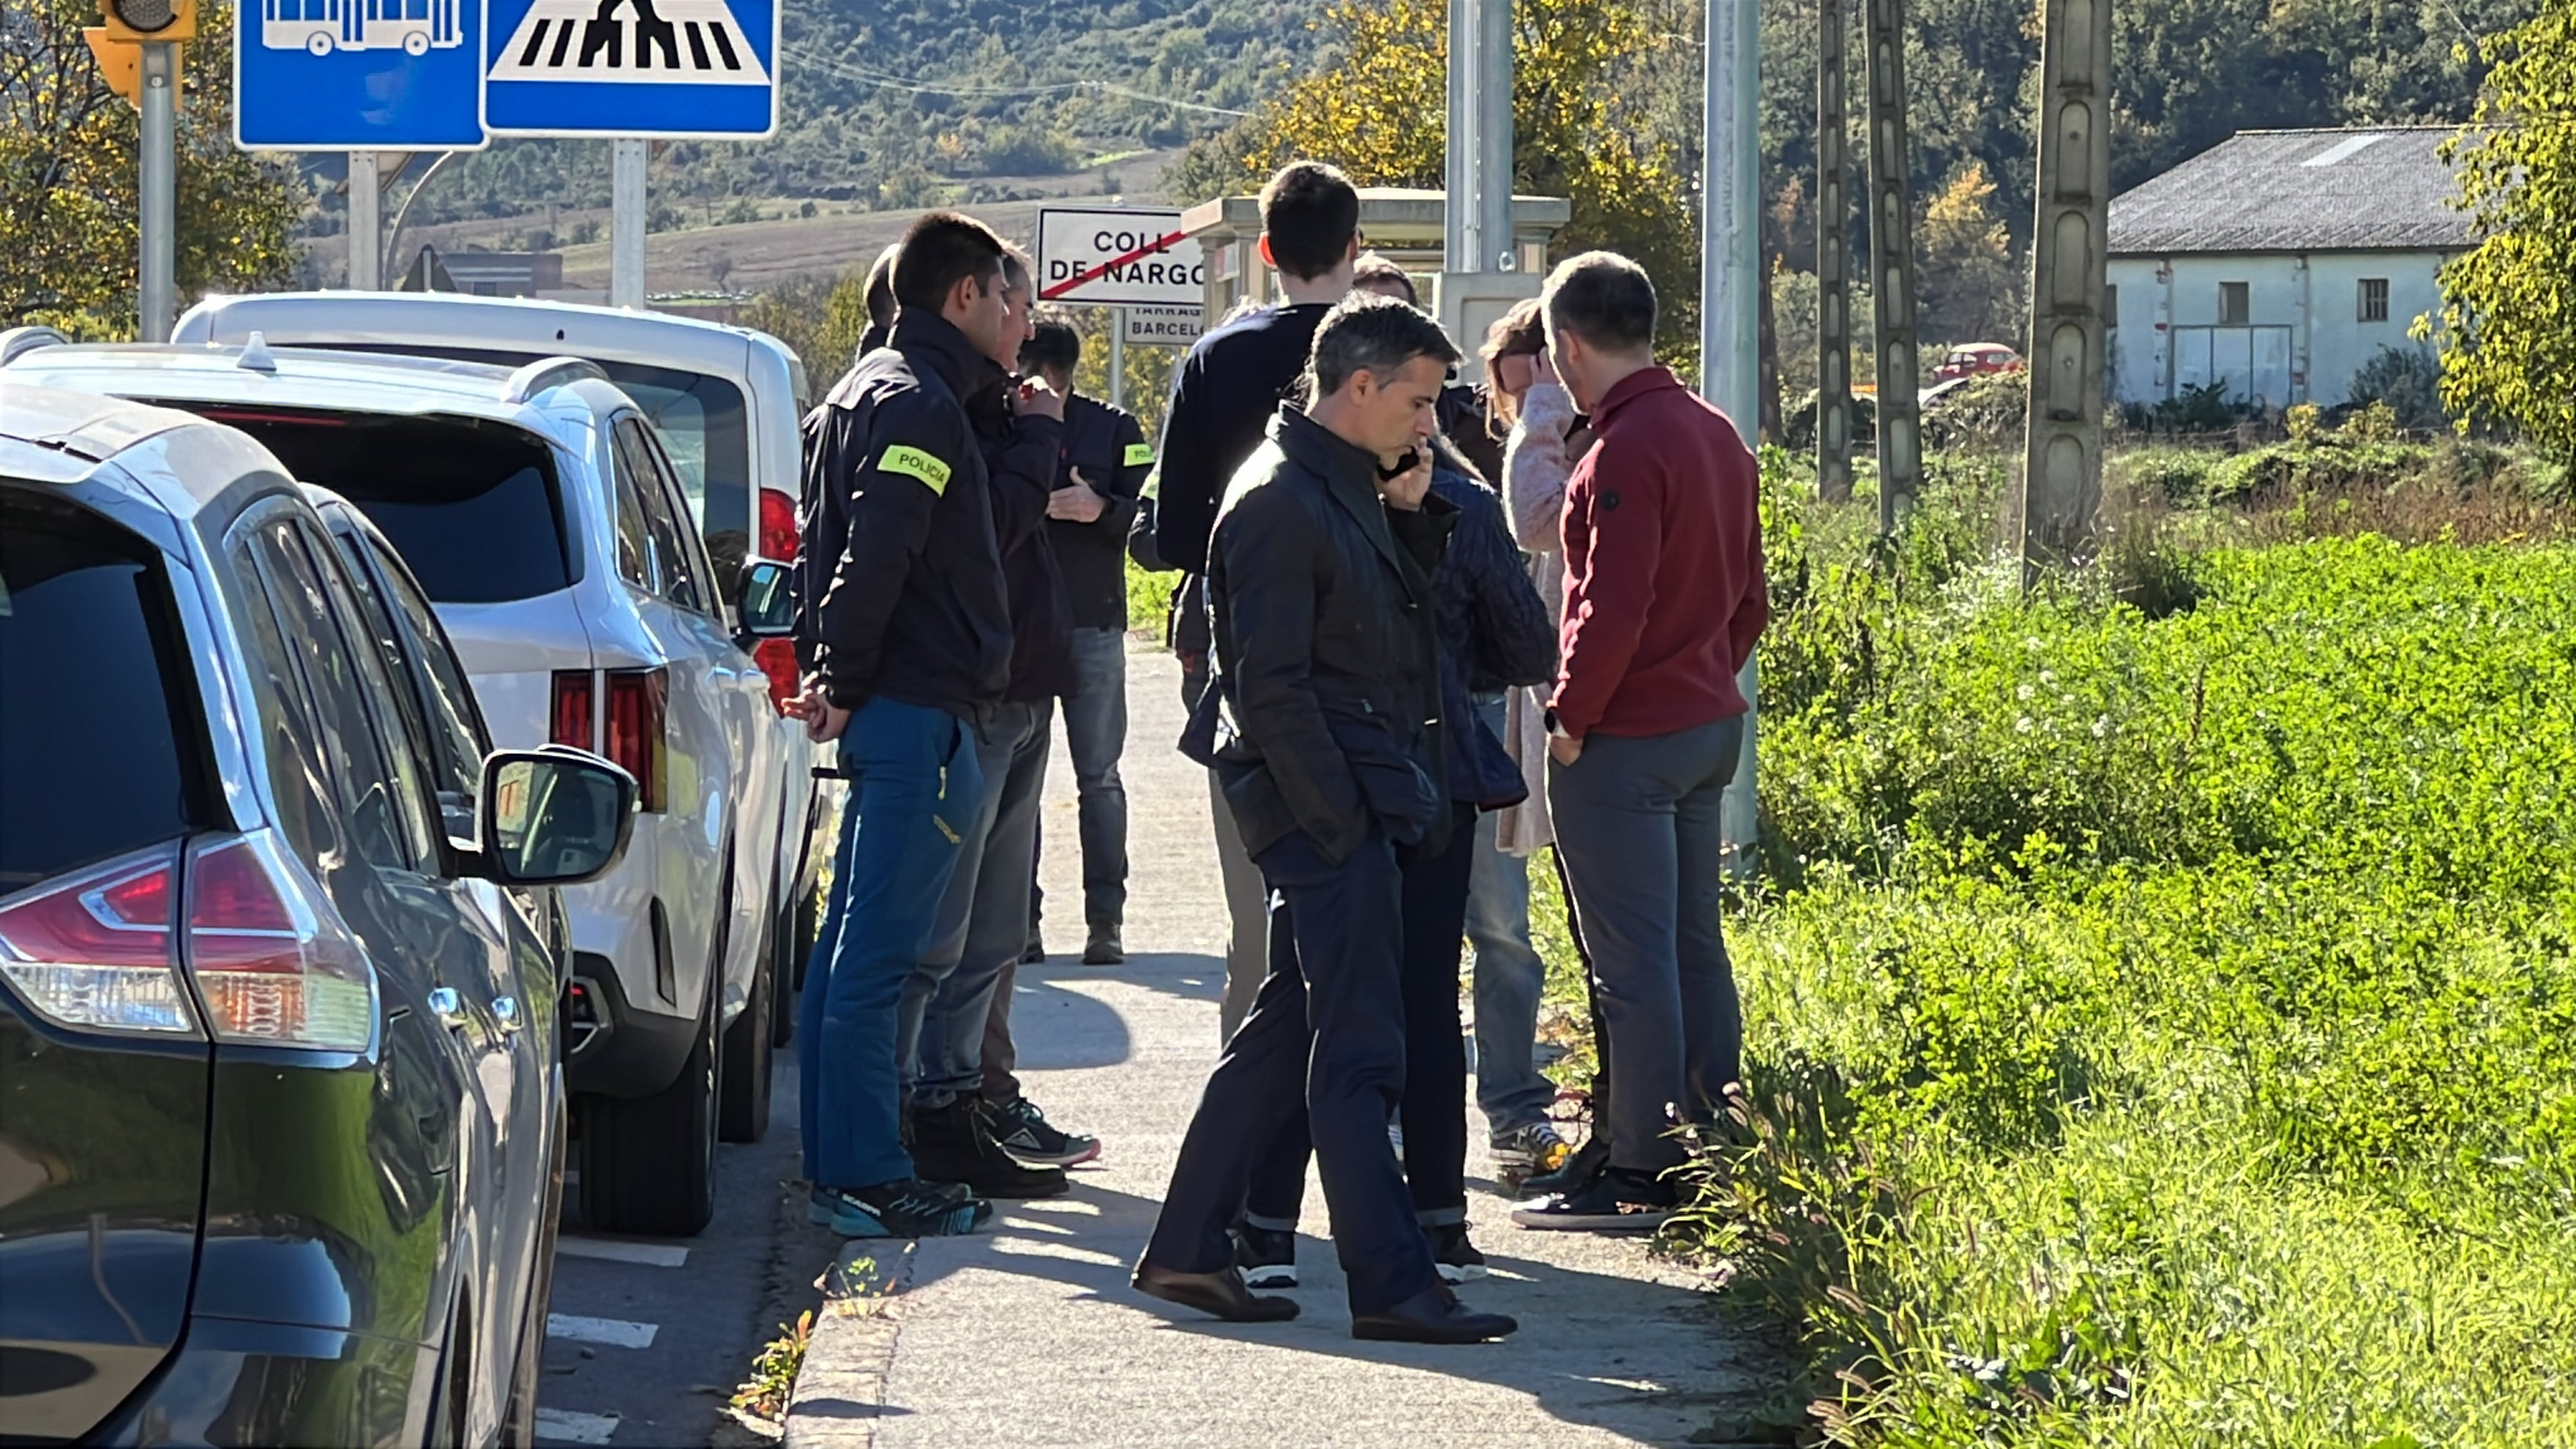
[1975, 358]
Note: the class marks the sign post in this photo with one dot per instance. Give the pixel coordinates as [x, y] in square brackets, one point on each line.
[157, 202]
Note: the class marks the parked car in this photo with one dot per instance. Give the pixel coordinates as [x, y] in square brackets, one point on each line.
[543, 519]
[726, 401]
[283, 1132]
[1976, 358]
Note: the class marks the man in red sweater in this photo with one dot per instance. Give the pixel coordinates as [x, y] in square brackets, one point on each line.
[1664, 599]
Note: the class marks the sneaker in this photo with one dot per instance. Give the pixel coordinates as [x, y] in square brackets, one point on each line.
[1585, 1163]
[954, 1143]
[906, 1209]
[823, 1202]
[1617, 1200]
[1527, 1151]
[1455, 1257]
[1267, 1256]
[1104, 948]
[1024, 1132]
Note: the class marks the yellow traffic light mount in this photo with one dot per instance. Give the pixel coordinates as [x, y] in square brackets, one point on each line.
[139, 22]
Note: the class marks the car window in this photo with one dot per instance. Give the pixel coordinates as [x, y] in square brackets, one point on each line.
[671, 564]
[635, 561]
[692, 550]
[86, 626]
[378, 798]
[452, 763]
[290, 728]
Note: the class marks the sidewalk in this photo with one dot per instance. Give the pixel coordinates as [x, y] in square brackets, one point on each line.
[1028, 1335]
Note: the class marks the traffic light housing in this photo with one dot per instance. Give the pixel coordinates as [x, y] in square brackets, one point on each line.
[136, 22]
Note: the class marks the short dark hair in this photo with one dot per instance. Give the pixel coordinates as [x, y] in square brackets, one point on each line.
[1377, 335]
[1017, 269]
[939, 251]
[1603, 298]
[881, 286]
[1056, 347]
[1311, 213]
[1375, 269]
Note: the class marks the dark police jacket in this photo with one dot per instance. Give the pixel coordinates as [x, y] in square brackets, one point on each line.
[1020, 460]
[1326, 710]
[1109, 447]
[899, 583]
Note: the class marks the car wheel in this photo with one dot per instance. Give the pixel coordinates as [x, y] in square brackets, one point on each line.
[648, 1163]
[742, 1094]
[796, 945]
[519, 1418]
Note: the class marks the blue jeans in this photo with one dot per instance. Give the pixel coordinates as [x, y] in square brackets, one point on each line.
[1509, 975]
[913, 782]
[987, 900]
[1095, 735]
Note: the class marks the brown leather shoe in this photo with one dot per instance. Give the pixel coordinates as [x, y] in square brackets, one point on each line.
[1221, 1293]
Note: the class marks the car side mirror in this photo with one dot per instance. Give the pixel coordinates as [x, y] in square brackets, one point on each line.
[765, 606]
[554, 816]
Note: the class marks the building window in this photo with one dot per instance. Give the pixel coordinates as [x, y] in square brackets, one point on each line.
[2233, 308]
[2374, 299]
[2111, 305]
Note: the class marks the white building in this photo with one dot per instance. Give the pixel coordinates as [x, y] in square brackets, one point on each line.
[2280, 262]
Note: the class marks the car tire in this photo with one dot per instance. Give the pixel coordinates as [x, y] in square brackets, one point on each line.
[648, 1163]
[796, 936]
[742, 1090]
[519, 1416]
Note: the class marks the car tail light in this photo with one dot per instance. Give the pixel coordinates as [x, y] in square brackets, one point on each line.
[94, 950]
[272, 960]
[568, 717]
[634, 741]
[778, 535]
[777, 659]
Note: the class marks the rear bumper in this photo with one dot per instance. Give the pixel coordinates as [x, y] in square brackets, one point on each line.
[610, 1048]
[235, 1384]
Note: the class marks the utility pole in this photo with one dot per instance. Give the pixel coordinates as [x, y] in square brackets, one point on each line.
[1117, 357]
[1833, 258]
[626, 223]
[157, 204]
[1729, 301]
[1478, 213]
[366, 210]
[2061, 481]
[1891, 244]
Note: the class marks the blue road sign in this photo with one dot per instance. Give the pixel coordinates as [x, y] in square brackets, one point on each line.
[354, 75]
[661, 68]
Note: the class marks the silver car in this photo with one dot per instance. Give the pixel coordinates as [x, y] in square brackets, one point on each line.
[542, 515]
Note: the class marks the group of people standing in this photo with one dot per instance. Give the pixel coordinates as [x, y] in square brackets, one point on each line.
[1395, 709]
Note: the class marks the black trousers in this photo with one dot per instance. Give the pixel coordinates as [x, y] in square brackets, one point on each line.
[1434, 1110]
[1327, 1030]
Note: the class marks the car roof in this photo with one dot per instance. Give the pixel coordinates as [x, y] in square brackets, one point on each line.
[452, 319]
[304, 377]
[57, 436]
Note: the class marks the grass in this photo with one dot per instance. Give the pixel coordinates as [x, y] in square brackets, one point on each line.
[1149, 597]
[2161, 989]
[764, 1396]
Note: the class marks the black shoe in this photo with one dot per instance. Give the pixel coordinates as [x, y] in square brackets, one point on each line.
[1025, 1133]
[1433, 1315]
[1104, 947]
[1455, 1257]
[1222, 1293]
[953, 1144]
[1035, 954]
[1587, 1162]
[910, 1208]
[1617, 1200]
[1267, 1256]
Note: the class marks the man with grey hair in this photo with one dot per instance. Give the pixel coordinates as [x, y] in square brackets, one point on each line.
[1664, 598]
[1329, 753]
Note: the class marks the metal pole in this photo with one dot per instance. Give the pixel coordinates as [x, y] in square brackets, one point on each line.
[1730, 302]
[366, 239]
[157, 205]
[1833, 256]
[2062, 469]
[1118, 357]
[393, 240]
[1461, 215]
[1494, 136]
[626, 224]
[1891, 244]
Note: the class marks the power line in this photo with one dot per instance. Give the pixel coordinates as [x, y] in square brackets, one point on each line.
[851, 71]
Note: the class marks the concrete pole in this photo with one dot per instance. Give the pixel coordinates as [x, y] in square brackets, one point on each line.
[626, 224]
[366, 239]
[2062, 469]
[1833, 257]
[157, 205]
[1891, 238]
[1730, 300]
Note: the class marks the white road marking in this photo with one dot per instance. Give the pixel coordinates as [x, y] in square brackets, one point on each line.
[615, 1332]
[570, 1428]
[614, 1250]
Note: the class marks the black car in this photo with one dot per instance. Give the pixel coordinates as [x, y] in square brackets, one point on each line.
[281, 1121]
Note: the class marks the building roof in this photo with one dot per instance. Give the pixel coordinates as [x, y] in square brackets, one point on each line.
[2376, 189]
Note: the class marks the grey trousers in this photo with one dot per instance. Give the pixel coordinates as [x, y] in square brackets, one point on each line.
[983, 920]
[1247, 898]
[1637, 828]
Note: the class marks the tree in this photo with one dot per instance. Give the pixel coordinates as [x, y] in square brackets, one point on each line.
[2508, 313]
[1379, 111]
[68, 165]
[819, 318]
[1964, 257]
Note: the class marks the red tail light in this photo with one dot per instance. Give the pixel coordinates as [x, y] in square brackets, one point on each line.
[777, 659]
[569, 716]
[272, 962]
[778, 535]
[634, 738]
[94, 950]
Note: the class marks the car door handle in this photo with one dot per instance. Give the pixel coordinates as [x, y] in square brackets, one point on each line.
[505, 1014]
[448, 1007]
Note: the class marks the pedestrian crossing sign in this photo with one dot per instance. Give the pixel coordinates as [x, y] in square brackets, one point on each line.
[631, 68]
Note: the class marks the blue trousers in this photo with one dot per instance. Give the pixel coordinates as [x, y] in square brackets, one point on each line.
[1509, 976]
[914, 786]
[1327, 1026]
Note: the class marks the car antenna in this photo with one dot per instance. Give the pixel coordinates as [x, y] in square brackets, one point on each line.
[255, 356]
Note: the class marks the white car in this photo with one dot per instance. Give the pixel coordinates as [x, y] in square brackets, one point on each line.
[539, 511]
[726, 401]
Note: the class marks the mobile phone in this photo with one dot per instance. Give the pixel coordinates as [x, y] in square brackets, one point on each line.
[1411, 460]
